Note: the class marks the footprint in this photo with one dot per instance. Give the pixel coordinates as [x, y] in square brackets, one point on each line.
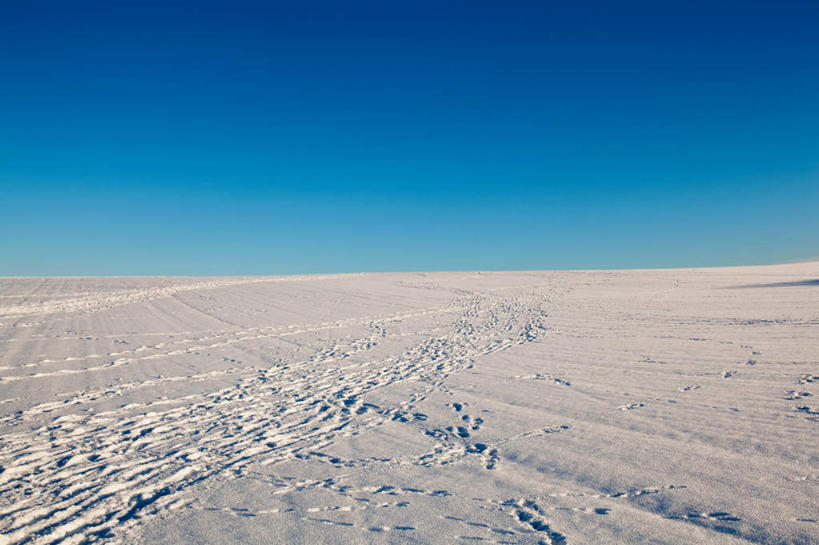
[537, 524]
[690, 388]
[632, 406]
[794, 395]
[437, 434]
[714, 521]
[494, 457]
[474, 424]
[647, 359]
[547, 377]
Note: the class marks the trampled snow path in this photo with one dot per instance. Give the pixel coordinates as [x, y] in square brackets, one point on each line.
[643, 406]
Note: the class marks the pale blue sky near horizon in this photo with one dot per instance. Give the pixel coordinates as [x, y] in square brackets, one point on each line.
[261, 138]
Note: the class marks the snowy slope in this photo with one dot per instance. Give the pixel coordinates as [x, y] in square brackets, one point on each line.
[656, 406]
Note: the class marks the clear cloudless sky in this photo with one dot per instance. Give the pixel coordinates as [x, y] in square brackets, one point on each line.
[302, 137]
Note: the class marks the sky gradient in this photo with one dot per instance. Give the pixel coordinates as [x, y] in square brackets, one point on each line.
[250, 138]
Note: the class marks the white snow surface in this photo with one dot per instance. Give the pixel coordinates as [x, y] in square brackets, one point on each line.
[655, 406]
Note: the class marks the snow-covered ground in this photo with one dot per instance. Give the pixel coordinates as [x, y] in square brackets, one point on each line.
[656, 406]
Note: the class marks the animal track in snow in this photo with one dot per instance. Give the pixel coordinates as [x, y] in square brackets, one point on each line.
[103, 472]
[794, 394]
[807, 379]
[546, 377]
[632, 406]
[689, 388]
[718, 521]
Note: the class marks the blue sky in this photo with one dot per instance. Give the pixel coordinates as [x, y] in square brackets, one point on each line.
[256, 138]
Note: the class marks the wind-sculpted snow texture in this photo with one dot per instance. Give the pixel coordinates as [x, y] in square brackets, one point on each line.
[665, 406]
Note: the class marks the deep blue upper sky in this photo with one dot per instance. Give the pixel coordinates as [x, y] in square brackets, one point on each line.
[239, 138]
